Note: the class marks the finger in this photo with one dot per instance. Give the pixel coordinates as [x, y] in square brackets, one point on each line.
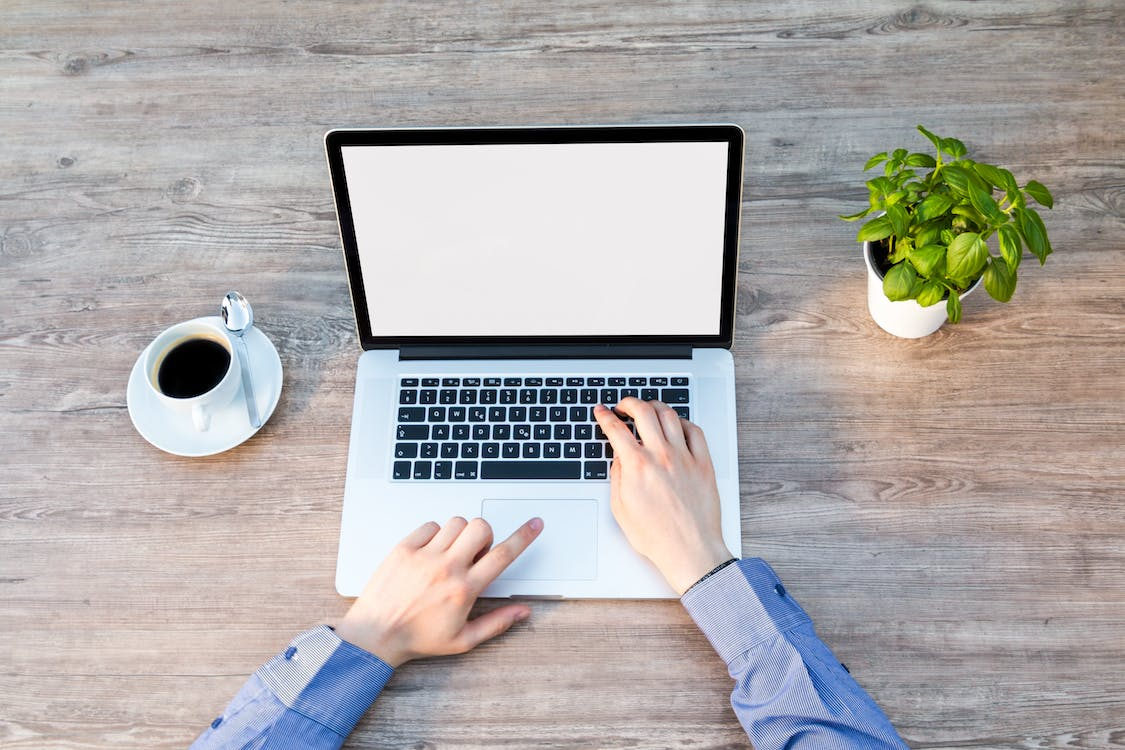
[696, 442]
[452, 529]
[504, 554]
[619, 436]
[476, 537]
[669, 422]
[644, 416]
[491, 624]
[421, 536]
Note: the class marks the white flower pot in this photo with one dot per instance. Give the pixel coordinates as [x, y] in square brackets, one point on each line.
[906, 319]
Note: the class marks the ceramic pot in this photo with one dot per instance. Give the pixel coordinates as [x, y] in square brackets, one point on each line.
[906, 319]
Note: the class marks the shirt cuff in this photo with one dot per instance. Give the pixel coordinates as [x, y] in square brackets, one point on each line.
[326, 679]
[741, 606]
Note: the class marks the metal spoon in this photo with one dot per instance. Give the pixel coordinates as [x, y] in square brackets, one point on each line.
[238, 317]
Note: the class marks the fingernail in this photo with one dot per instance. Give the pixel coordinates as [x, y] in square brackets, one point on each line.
[536, 524]
[521, 616]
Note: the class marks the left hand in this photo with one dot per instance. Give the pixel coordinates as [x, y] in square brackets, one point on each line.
[417, 602]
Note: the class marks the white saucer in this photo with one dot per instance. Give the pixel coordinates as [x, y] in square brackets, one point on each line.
[174, 432]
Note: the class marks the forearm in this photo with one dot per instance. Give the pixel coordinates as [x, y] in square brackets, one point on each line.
[310, 696]
[790, 691]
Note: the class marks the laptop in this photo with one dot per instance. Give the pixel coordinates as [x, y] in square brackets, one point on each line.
[506, 280]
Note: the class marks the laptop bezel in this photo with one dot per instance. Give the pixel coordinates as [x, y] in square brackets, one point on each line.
[336, 140]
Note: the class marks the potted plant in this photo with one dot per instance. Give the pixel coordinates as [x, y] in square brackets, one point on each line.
[929, 236]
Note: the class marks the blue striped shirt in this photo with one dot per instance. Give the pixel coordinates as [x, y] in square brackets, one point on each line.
[790, 691]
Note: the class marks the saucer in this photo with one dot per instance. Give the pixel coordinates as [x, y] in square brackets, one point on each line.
[173, 431]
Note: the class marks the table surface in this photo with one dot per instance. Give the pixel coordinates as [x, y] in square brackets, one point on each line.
[949, 510]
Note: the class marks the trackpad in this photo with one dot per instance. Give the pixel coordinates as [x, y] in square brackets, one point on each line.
[567, 548]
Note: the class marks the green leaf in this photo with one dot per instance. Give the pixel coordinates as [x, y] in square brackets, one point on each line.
[931, 294]
[899, 154]
[874, 160]
[999, 280]
[933, 206]
[990, 174]
[953, 308]
[899, 282]
[900, 222]
[1009, 186]
[982, 201]
[1033, 233]
[921, 160]
[966, 257]
[927, 259]
[876, 229]
[957, 178]
[1010, 248]
[856, 217]
[882, 185]
[932, 138]
[953, 147]
[1040, 193]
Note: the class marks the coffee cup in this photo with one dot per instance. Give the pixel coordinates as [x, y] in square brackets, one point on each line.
[192, 368]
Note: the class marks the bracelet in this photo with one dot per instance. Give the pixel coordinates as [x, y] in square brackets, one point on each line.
[717, 568]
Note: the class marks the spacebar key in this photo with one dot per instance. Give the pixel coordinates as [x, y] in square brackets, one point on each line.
[530, 470]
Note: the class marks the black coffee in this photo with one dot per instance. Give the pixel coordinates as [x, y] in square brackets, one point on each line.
[192, 368]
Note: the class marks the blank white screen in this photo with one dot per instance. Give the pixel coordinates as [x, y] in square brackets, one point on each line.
[597, 239]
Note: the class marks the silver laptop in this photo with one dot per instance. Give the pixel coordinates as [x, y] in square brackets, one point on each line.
[506, 280]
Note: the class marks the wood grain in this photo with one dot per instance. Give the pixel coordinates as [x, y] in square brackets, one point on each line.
[949, 510]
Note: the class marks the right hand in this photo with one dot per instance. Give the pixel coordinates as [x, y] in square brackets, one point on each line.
[663, 491]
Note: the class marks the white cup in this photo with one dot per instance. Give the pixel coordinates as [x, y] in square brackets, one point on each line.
[202, 406]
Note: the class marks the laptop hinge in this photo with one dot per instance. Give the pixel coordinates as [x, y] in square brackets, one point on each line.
[564, 351]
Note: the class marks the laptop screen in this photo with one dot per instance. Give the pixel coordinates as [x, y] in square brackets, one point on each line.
[592, 240]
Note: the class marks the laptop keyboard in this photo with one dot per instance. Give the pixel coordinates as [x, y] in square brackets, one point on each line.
[522, 428]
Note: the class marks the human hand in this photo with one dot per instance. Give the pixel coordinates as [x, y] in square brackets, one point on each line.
[663, 491]
[417, 602]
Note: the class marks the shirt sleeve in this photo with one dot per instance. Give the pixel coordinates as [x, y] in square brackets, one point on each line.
[309, 696]
[790, 691]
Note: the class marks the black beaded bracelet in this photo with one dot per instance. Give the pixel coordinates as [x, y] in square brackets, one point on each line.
[719, 567]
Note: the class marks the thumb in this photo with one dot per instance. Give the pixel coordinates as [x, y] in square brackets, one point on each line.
[489, 625]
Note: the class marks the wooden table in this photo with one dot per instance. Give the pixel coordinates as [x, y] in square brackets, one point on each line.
[951, 511]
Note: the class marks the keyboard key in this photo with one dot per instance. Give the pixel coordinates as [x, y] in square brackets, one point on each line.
[447, 396]
[465, 470]
[511, 450]
[679, 381]
[583, 432]
[460, 432]
[531, 450]
[554, 382]
[513, 382]
[428, 396]
[489, 396]
[609, 396]
[480, 432]
[630, 392]
[491, 382]
[658, 381]
[598, 382]
[411, 414]
[490, 450]
[638, 382]
[572, 450]
[408, 397]
[569, 396]
[409, 382]
[413, 432]
[579, 414]
[683, 411]
[471, 382]
[422, 469]
[436, 414]
[429, 450]
[593, 450]
[562, 432]
[470, 450]
[542, 432]
[430, 382]
[588, 396]
[674, 395]
[497, 414]
[529, 396]
[457, 414]
[533, 382]
[557, 414]
[477, 414]
[449, 450]
[517, 413]
[538, 413]
[595, 470]
[440, 432]
[467, 397]
[443, 470]
[530, 470]
[649, 394]
[618, 382]
[552, 450]
[522, 431]
[502, 432]
[450, 382]
[575, 382]
[401, 470]
[509, 396]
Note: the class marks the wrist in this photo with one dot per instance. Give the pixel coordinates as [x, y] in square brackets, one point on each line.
[367, 637]
[691, 570]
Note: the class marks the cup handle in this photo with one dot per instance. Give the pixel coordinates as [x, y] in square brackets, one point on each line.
[201, 418]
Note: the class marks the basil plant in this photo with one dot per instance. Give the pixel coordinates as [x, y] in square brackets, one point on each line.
[931, 231]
